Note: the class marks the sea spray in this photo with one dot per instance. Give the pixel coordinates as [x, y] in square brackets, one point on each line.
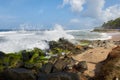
[14, 41]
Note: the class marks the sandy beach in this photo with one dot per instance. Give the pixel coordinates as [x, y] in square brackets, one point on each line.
[94, 56]
[115, 36]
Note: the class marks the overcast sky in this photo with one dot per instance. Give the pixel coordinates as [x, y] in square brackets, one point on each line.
[44, 14]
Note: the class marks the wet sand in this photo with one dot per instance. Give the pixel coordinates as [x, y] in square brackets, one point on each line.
[115, 36]
[93, 57]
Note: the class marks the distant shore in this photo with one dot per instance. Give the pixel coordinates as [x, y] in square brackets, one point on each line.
[106, 30]
[115, 33]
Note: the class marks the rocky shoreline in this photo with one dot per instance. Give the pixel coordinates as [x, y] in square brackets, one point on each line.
[59, 62]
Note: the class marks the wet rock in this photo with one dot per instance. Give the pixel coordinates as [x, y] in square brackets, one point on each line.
[19, 74]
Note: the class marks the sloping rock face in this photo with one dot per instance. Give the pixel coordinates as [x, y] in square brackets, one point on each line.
[110, 69]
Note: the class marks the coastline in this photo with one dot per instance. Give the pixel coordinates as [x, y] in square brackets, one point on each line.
[114, 33]
[85, 59]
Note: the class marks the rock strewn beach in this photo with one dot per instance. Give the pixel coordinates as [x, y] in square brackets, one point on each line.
[77, 63]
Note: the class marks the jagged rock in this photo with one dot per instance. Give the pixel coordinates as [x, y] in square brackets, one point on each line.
[61, 67]
[66, 64]
[47, 68]
[61, 64]
[63, 45]
[19, 74]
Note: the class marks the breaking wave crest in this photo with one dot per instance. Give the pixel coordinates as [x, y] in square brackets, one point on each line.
[14, 41]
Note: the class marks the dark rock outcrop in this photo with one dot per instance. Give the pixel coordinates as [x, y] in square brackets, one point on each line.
[35, 65]
[19, 74]
[63, 45]
[63, 68]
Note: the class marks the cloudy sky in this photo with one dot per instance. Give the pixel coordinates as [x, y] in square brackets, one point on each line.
[44, 14]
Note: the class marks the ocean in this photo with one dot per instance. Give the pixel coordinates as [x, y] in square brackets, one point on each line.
[16, 40]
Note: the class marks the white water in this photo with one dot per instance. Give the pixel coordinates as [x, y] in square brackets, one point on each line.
[88, 35]
[14, 41]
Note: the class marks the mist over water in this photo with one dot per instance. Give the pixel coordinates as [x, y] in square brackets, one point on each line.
[14, 41]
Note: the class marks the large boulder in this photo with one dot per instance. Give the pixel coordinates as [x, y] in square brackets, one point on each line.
[19, 74]
[63, 63]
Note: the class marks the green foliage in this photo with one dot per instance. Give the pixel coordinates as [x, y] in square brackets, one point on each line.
[112, 24]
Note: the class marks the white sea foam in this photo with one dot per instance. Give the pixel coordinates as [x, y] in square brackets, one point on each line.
[13, 41]
[88, 35]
